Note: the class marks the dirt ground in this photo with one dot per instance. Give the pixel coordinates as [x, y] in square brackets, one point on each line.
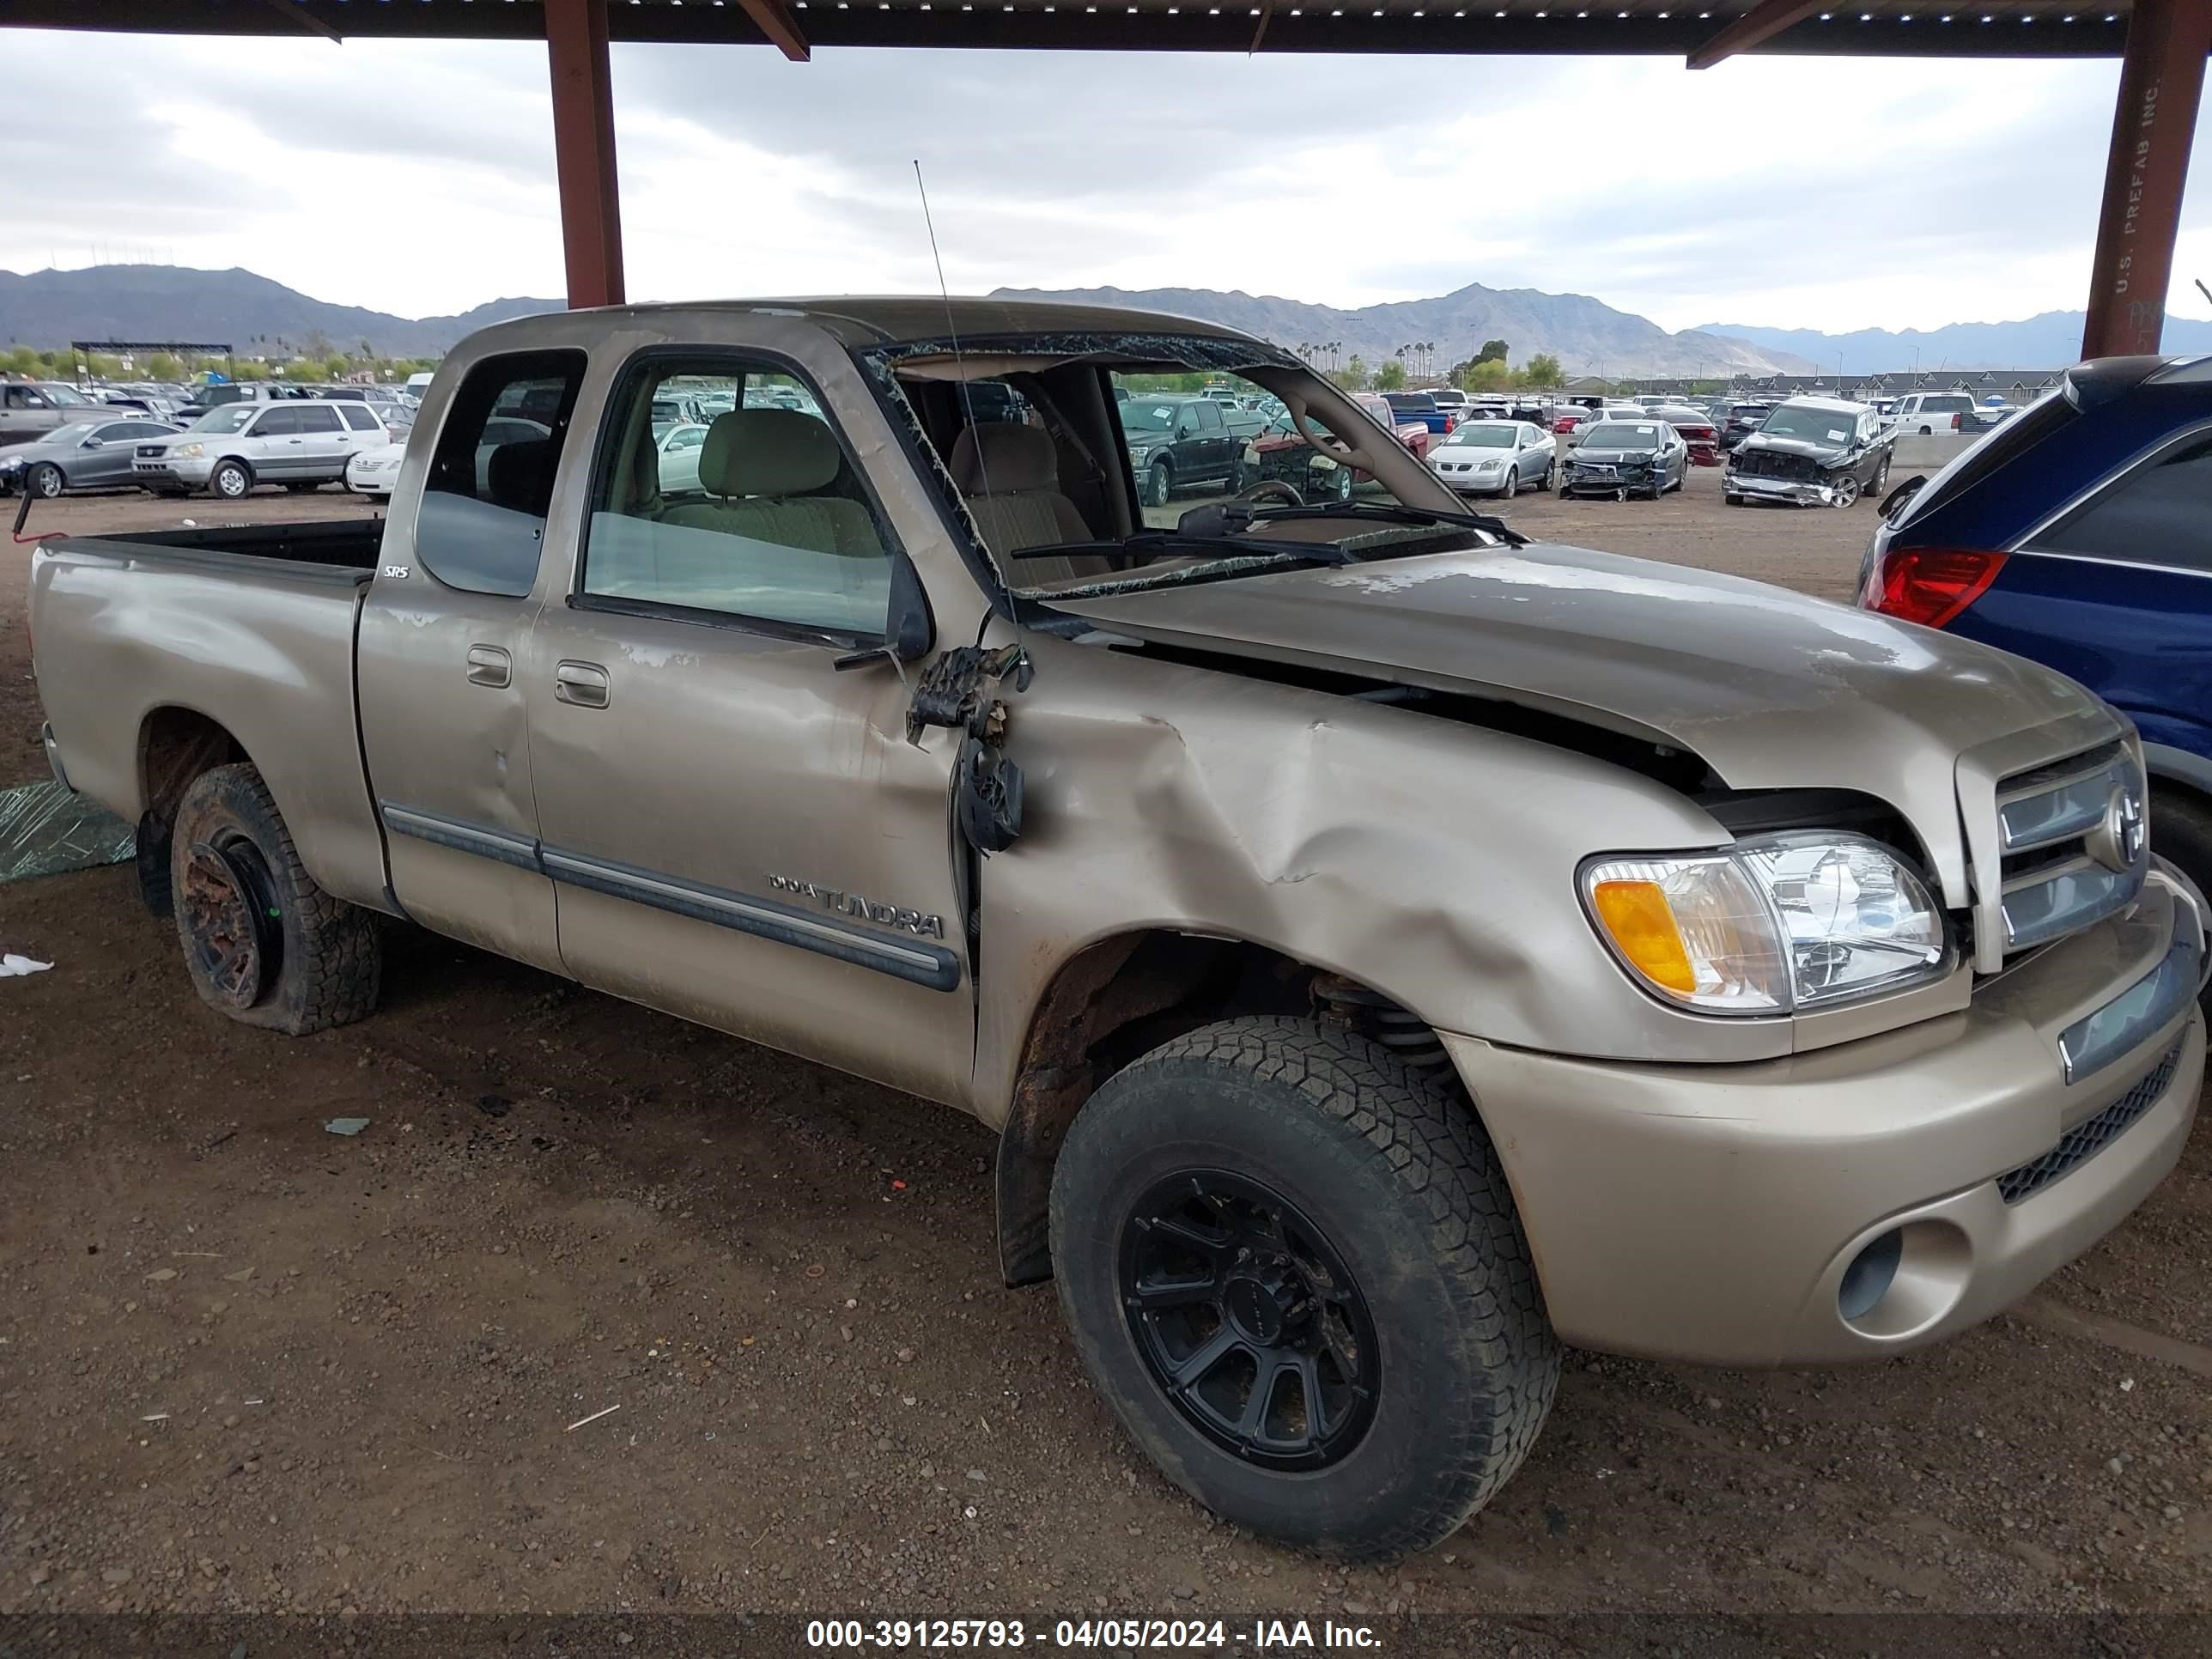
[247, 1365]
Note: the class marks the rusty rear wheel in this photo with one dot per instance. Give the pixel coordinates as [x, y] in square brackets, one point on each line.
[262, 942]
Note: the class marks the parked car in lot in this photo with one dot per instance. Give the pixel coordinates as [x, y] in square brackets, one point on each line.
[2080, 534]
[1697, 431]
[1743, 420]
[1812, 451]
[1495, 458]
[222, 396]
[1923, 413]
[1620, 457]
[92, 454]
[1176, 442]
[300, 443]
[29, 412]
[1422, 407]
[1419, 948]
[1569, 418]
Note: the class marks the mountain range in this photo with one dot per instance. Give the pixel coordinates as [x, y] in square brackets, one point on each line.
[49, 308]
[1587, 336]
[2050, 340]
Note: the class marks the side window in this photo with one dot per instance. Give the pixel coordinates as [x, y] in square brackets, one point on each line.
[319, 418]
[767, 519]
[274, 424]
[358, 418]
[2160, 513]
[482, 523]
[1209, 417]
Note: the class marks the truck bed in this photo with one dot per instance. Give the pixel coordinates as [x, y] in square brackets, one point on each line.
[241, 634]
[347, 544]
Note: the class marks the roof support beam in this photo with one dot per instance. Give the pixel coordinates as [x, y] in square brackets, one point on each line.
[2161, 84]
[584, 151]
[1761, 23]
[774, 19]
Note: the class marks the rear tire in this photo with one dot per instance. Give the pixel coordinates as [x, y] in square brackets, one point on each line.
[262, 943]
[1321, 1142]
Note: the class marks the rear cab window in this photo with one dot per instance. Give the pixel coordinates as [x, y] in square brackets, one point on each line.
[480, 525]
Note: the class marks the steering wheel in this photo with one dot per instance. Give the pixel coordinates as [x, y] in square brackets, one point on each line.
[1275, 488]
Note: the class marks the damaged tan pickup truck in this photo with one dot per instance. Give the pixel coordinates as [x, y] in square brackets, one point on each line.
[1387, 948]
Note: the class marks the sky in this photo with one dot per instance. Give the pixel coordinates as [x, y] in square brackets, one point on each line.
[417, 177]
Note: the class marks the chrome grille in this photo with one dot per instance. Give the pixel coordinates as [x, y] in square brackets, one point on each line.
[2092, 1135]
[2071, 838]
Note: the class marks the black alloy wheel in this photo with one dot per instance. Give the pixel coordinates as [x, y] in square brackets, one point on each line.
[1247, 1320]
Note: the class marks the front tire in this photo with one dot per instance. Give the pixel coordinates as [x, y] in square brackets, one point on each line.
[231, 480]
[262, 943]
[45, 481]
[1158, 483]
[1511, 487]
[1278, 1207]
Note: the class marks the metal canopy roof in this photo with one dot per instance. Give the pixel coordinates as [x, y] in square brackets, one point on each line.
[2005, 29]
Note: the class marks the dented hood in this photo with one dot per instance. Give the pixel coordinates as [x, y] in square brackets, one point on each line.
[1771, 690]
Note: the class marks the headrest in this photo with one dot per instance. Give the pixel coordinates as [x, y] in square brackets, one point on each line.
[520, 476]
[768, 451]
[1001, 458]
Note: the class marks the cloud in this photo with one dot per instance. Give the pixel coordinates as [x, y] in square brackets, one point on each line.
[417, 176]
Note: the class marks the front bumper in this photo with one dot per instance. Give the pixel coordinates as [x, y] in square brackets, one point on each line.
[1473, 480]
[1624, 481]
[170, 472]
[1724, 1214]
[1797, 491]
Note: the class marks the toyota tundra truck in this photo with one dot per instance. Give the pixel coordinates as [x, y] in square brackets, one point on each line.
[1388, 948]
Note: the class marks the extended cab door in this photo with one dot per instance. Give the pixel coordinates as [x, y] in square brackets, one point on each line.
[741, 833]
[443, 718]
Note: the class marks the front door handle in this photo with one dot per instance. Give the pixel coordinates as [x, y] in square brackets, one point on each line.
[490, 665]
[583, 683]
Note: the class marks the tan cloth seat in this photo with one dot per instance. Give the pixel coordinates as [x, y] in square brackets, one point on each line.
[1010, 476]
[763, 466]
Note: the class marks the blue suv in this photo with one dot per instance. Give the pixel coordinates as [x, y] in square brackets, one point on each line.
[2079, 533]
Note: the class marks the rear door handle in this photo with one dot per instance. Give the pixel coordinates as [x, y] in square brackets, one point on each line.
[583, 683]
[490, 665]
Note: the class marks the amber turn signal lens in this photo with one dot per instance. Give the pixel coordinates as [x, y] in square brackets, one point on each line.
[1637, 917]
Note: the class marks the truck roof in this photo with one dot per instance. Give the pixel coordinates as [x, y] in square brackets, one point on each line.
[895, 319]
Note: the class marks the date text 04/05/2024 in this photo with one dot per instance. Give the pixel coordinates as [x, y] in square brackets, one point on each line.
[1263, 1636]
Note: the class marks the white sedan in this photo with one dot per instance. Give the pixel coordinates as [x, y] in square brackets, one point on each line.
[1495, 458]
[373, 472]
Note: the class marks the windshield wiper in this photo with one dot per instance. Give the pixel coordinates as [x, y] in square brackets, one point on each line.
[1171, 542]
[1382, 513]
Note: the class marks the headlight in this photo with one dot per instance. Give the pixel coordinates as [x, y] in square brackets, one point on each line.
[1783, 925]
[1139, 454]
[187, 452]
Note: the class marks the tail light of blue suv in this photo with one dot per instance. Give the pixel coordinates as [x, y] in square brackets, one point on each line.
[1930, 585]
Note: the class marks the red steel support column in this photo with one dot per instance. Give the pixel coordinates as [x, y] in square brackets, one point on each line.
[2161, 81]
[584, 151]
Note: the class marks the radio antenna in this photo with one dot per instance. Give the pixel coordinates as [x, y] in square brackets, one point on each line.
[967, 397]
